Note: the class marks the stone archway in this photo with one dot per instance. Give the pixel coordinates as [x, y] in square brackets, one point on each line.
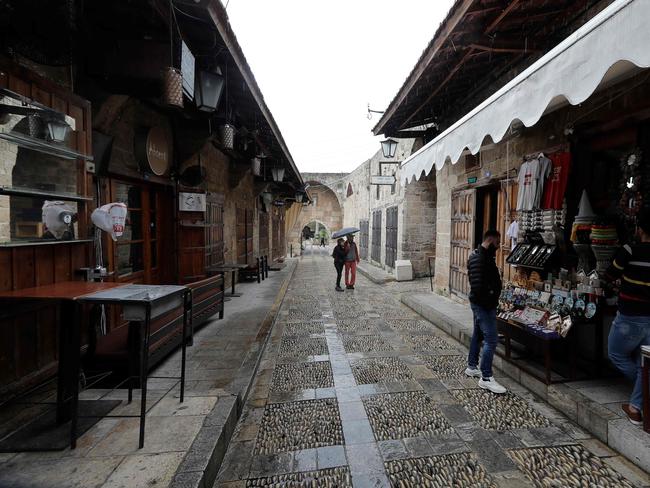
[325, 209]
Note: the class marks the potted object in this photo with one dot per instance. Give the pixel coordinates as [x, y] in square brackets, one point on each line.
[173, 87]
[227, 136]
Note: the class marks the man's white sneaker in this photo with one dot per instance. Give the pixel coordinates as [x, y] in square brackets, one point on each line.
[492, 385]
[473, 372]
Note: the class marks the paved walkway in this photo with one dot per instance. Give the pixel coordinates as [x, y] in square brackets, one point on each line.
[185, 442]
[355, 389]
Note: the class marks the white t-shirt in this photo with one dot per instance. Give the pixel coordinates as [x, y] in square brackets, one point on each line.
[513, 234]
[531, 182]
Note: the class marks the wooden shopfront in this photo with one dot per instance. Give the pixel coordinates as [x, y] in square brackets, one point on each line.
[30, 254]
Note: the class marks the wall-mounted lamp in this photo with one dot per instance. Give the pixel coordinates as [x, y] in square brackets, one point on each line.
[278, 174]
[388, 148]
[208, 87]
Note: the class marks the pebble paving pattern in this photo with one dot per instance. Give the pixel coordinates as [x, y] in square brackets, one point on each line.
[566, 466]
[451, 470]
[409, 325]
[499, 412]
[365, 344]
[427, 342]
[401, 415]
[307, 313]
[299, 425]
[332, 477]
[355, 326]
[374, 370]
[446, 367]
[352, 311]
[302, 346]
[300, 328]
[302, 376]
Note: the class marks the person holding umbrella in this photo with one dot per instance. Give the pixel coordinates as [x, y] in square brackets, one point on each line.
[351, 261]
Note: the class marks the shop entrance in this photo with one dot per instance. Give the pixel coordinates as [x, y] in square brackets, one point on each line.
[487, 198]
[142, 254]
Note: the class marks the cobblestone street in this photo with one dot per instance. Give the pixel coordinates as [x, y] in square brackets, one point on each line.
[355, 389]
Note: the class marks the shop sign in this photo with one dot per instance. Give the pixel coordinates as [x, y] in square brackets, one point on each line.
[187, 71]
[191, 202]
[153, 150]
[472, 179]
[382, 180]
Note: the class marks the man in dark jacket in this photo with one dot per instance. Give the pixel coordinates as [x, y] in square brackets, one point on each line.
[485, 289]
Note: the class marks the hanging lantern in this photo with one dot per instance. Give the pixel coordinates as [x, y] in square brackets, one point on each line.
[299, 196]
[208, 87]
[173, 87]
[388, 148]
[227, 136]
[278, 174]
[57, 130]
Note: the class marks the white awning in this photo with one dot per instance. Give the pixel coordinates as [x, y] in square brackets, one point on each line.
[615, 42]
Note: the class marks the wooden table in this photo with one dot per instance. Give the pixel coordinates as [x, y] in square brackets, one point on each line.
[233, 268]
[510, 328]
[67, 294]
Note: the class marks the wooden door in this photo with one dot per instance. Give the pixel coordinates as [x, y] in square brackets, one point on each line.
[138, 257]
[214, 231]
[391, 236]
[375, 253]
[507, 203]
[363, 239]
[462, 239]
[241, 236]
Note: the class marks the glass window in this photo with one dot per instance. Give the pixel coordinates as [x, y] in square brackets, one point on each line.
[28, 219]
[130, 258]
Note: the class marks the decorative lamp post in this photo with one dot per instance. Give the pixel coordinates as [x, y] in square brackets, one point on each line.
[388, 148]
[208, 87]
[278, 174]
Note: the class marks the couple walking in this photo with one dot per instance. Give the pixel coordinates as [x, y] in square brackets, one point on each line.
[346, 254]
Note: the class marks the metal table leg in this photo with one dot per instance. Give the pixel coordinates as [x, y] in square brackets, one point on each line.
[645, 375]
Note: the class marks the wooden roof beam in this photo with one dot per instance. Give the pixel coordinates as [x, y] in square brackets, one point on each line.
[495, 23]
[450, 75]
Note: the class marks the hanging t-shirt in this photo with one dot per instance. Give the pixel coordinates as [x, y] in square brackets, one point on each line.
[556, 185]
[527, 185]
[513, 234]
[544, 169]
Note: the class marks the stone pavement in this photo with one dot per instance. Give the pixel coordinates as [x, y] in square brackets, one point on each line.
[595, 405]
[185, 442]
[355, 389]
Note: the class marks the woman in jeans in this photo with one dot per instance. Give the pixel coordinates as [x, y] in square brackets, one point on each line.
[339, 259]
[631, 327]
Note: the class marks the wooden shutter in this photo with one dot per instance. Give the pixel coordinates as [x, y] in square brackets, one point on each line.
[363, 239]
[376, 236]
[391, 236]
[462, 240]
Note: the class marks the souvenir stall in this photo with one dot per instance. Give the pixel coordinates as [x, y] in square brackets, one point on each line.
[553, 312]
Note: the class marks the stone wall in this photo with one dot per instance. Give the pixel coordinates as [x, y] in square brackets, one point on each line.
[419, 224]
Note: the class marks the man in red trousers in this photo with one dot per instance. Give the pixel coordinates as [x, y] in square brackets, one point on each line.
[351, 260]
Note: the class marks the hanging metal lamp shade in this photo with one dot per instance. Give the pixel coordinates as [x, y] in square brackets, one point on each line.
[278, 174]
[172, 87]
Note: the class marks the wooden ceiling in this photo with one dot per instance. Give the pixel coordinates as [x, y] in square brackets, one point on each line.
[481, 45]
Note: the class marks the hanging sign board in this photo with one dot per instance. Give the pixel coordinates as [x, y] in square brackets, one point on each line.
[471, 179]
[382, 180]
[187, 71]
[191, 202]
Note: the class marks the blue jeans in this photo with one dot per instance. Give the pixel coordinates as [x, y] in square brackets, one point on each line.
[627, 335]
[485, 330]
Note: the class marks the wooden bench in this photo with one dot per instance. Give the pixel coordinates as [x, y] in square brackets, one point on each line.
[110, 352]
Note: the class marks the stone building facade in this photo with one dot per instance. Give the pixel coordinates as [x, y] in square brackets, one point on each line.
[360, 200]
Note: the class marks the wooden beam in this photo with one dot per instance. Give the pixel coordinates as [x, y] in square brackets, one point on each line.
[438, 87]
[501, 49]
[430, 53]
[493, 25]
